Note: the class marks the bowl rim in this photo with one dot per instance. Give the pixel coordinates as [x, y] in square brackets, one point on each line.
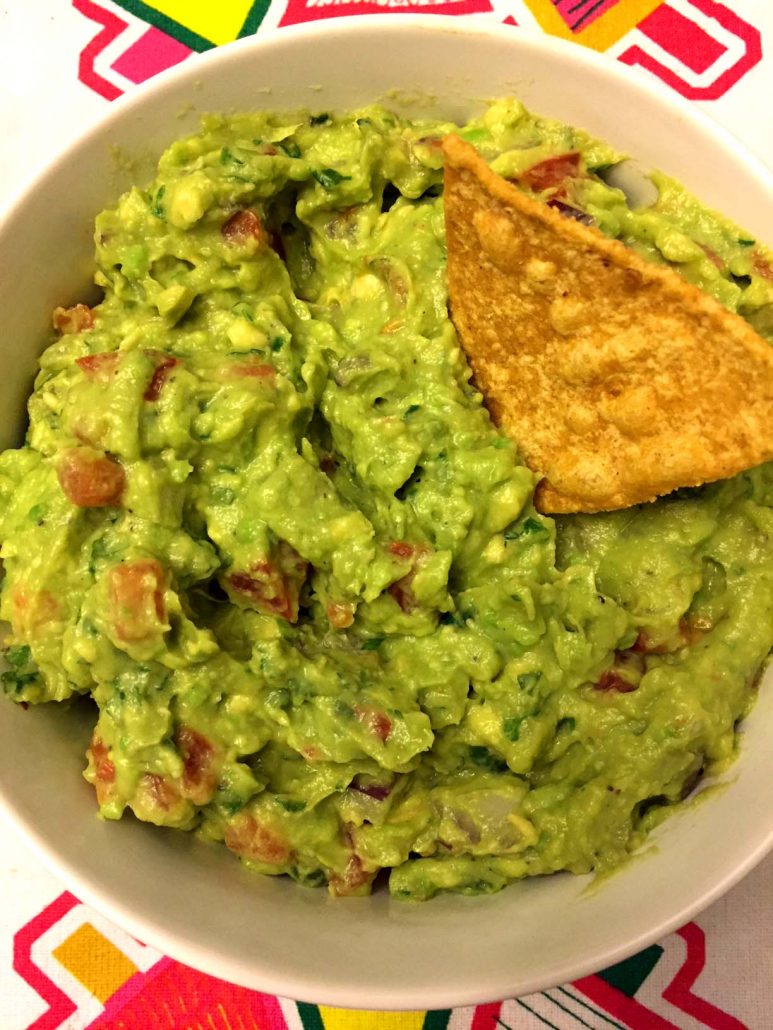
[290, 983]
[353, 24]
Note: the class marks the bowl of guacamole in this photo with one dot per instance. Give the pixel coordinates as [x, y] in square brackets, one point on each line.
[272, 577]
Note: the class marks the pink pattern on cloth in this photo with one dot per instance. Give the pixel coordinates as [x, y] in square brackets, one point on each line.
[697, 49]
[579, 14]
[153, 52]
[302, 11]
[682, 43]
[58, 1005]
[171, 996]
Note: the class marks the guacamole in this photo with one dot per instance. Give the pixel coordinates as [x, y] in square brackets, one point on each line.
[263, 519]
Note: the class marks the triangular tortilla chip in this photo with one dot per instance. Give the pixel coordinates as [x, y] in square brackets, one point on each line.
[618, 380]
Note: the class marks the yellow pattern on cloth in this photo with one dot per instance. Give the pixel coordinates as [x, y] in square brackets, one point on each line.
[95, 961]
[354, 1019]
[603, 31]
[220, 23]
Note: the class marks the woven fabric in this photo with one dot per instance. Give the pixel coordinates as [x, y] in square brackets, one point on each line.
[64, 966]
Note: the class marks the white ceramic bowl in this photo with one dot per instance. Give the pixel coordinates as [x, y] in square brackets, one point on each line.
[193, 901]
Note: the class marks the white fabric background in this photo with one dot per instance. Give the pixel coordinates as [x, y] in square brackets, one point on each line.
[42, 105]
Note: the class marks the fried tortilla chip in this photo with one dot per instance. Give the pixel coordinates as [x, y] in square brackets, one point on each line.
[617, 379]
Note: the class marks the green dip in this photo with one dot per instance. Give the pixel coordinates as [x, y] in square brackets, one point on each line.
[262, 517]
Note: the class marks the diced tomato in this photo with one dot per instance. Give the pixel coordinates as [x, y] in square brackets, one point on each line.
[199, 775]
[762, 267]
[402, 590]
[311, 753]
[32, 609]
[392, 326]
[266, 588]
[90, 478]
[625, 675]
[252, 370]
[273, 585]
[73, 320]
[243, 227]
[376, 720]
[713, 257]
[164, 364]
[689, 631]
[433, 142]
[340, 614]
[103, 769]
[252, 839]
[645, 645]
[693, 629]
[552, 172]
[160, 792]
[612, 680]
[403, 594]
[99, 367]
[353, 879]
[136, 594]
[401, 549]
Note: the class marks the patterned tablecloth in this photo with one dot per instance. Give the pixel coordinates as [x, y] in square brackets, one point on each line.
[61, 964]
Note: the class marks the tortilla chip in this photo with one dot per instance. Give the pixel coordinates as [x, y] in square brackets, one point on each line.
[618, 380]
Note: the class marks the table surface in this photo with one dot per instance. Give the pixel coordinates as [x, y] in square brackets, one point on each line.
[61, 964]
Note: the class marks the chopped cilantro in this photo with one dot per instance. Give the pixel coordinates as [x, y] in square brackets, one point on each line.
[372, 645]
[512, 728]
[36, 513]
[22, 669]
[18, 656]
[314, 878]
[157, 207]
[14, 681]
[530, 526]
[484, 759]
[233, 805]
[290, 148]
[99, 550]
[452, 619]
[329, 177]
[527, 680]
[291, 804]
[228, 157]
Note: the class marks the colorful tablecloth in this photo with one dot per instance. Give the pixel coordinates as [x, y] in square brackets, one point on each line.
[64, 966]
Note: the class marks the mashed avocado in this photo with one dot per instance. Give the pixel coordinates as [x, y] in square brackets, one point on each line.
[262, 517]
